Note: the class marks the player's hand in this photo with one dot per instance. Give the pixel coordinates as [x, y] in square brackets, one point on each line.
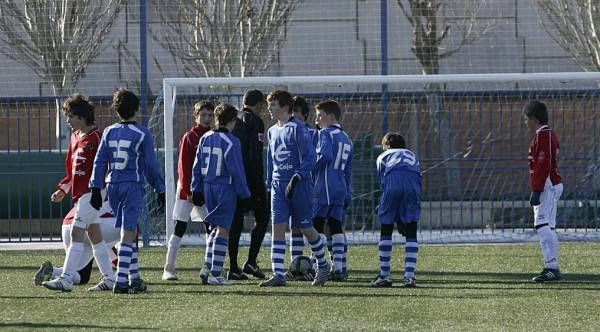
[160, 200]
[291, 185]
[57, 196]
[534, 199]
[96, 200]
[197, 198]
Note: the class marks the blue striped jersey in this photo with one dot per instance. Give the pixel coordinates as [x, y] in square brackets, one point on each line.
[333, 169]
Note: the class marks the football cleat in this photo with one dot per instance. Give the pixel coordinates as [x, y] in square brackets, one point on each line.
[105, 284]
[219, 281]
[253, 270]
[169, 275]
[410, 283]
[59, 284]
[236, 275]
[274, 281]
[548, 275]
[137, 286]
[321, 276]
[289, 276]
[381, 282]
[204, 275]
[44, 273]
[338, 276]
[122, 289]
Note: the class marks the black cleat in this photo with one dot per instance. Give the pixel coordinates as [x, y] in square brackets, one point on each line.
[381, 282]
[410, 283]
[253, 270]
[236, 275]
[548, 275]
[138, 286]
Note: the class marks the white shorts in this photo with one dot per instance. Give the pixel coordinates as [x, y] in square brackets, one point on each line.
[545, 213]
[85, 214]
[110, 234]
[182, 210]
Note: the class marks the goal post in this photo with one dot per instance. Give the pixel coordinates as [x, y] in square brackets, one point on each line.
[464, 127]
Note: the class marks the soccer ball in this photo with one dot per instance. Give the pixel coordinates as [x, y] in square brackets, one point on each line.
[301, 267]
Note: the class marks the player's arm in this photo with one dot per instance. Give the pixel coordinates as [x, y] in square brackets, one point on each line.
[307, 153]
[269, 162]
[541, 161]
[197, 184]
[348, 176]
[185, 163]
[235, 167]
[100, 162]
[64, 186]
[152, 166]
[324, 151]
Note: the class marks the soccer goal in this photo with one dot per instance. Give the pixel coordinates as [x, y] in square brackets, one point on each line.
[468, 131]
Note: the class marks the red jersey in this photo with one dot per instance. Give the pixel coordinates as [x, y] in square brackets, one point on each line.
[543, 159]
[187, 154]
[80, 162]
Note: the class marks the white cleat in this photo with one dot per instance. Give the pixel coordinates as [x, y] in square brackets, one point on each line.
[105, 284]
[59, 284]
[44, 273]
[219, 281]
[169, 275]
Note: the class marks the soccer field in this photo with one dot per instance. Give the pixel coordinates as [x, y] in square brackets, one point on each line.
[474, 287]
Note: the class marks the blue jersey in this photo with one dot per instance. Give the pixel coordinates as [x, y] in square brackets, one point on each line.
[314, 135]
[128, 150]
[401, 162]
[290, 151]
[219, 161]
[333, 170]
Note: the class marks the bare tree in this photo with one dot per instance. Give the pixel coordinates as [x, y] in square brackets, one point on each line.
[57, 40]
[223, 37]
[574, 25]
[440, 29]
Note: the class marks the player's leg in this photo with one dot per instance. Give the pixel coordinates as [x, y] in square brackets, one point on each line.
[541, 214]
[336, 229]
[280, 214]
[47, 270]
[181, 215]
[219, 251]
[409, 209]
[111, 236]
[557, 192]
[234, 243]
[411, 250]
[100, 249]
[208, 254]
[296, 243]
[320, 223]
[261, 222]
[387, 218]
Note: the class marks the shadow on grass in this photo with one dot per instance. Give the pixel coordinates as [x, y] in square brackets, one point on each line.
[44, 326]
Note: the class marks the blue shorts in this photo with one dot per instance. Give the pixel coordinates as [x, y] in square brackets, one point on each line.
[299, 211]
[126, 199]
[330, 211]
[401, 202]
[221, 201]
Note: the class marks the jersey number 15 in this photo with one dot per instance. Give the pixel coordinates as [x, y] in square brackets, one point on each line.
[341, 158]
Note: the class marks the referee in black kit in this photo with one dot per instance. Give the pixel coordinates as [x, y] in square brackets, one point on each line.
[250, 130]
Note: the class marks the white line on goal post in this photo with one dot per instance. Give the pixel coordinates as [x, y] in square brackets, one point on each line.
[170, 92]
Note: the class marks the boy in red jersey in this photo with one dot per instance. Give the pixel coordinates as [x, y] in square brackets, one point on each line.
[204, 119]
[85, 140]
[546, 186]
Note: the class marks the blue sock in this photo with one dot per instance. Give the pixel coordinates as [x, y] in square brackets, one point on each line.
[296, 245]
[125, 251]
[345, 257]
[219, 251]
[410, 257]
[134, 273]
[278, 257]
[208, 255]
[385, 253]
[329, 242]
[338, 251]
[319, 252]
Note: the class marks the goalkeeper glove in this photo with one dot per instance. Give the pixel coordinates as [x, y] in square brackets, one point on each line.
[160, 199]
[291, 185]
[96, 199]
[197, 198]
[534, 200]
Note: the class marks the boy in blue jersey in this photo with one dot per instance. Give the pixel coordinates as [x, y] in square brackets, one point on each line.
[333, 181]
[290, 160]
[218, 178]
[124, 159]
[400, 204]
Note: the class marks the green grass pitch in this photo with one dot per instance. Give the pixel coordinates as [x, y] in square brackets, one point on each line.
[471, 287]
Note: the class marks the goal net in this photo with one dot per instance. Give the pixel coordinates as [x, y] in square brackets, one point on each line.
[467, 130]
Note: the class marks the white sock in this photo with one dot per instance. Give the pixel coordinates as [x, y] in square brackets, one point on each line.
[555, 246]
[173, 247]
[547, 244]
[103, 259]
[76, 278]
[72, 259]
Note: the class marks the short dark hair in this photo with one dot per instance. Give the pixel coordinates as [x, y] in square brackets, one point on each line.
[394, 140]
[253, 98]
[301, 106]
[538, 110]
[283, 97]
[330, 107]
[225, 113]
[204, 104]
[78, 105]
[125, 103]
